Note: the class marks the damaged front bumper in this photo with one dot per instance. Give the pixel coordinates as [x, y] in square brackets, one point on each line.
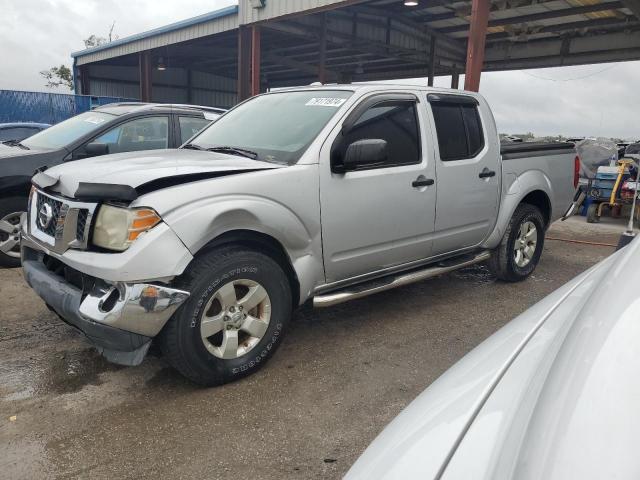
[119, 318]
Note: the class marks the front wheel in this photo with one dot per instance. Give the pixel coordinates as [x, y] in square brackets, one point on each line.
[10, 211]
[519, 251]
[235, 318]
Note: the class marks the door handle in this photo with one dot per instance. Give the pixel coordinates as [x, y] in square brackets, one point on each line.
[486, 173]
[422, 182]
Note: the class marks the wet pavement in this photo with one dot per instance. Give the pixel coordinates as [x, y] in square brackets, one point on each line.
[339, 377]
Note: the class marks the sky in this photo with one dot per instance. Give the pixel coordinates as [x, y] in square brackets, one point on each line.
[591, 100]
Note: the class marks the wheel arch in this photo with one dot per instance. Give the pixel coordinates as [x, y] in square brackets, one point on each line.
[263, 243]
[541, 201]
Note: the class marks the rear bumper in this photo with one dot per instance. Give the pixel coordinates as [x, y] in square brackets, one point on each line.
[119, 318]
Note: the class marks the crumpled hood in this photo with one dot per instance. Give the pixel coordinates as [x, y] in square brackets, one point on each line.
[136, 169]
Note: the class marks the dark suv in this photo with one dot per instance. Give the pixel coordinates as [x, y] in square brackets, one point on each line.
[113, 128]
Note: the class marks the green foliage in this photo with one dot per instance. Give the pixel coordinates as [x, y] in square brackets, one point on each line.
[58, 76]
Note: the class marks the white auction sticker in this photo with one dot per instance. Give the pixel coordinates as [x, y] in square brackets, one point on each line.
[95, 120]
[326, 102]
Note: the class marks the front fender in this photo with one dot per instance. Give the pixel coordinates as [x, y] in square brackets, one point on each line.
[523, 185]
[201, 222]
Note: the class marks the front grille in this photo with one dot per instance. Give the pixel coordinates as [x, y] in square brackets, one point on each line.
[60, 223]
[83, 215]
[56, 206]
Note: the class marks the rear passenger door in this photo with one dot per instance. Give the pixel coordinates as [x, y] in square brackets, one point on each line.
[468, 173]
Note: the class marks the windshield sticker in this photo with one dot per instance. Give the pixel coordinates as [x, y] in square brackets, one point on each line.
[326, 102]
[94, 120]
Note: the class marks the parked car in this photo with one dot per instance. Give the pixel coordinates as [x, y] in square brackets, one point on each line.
[323, 193]
[551, 395]
[18, 131]
[113, 128]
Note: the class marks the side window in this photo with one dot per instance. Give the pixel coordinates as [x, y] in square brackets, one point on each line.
[189, 126]
[7, 134]
[396, 122]
[149, 133]
[459, 130]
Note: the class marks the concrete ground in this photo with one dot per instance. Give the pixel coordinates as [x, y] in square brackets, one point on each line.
[340, 376]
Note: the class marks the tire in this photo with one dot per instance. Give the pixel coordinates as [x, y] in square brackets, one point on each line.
[592, 213]
[504, 258]
[10, 210]
[202, 360]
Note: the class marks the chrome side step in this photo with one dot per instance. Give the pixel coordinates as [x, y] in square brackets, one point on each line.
[387, 283]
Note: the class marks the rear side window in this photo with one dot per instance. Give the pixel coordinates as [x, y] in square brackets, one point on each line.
[459, 130]
[395, 122]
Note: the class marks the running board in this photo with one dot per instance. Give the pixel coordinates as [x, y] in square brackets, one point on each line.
[387, 283]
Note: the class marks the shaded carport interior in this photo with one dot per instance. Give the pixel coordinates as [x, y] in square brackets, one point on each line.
[220, 58]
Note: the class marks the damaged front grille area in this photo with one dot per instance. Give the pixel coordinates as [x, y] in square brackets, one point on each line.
[47, 214]
[60, 223]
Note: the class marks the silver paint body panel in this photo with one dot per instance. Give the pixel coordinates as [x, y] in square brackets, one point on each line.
[551, 395]
[334, 228]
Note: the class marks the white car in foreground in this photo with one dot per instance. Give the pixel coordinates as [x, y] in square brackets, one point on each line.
[555, 394]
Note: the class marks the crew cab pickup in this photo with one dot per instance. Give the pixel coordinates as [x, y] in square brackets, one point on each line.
[321, 194]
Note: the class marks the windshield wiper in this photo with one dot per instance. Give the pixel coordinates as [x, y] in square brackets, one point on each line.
[15, 143]
[192, 146]
[235, 151]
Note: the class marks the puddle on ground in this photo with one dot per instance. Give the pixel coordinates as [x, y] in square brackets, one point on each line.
[477, 274]
[66, 372]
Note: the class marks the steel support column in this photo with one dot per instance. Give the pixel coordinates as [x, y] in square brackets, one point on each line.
[255, 59]
[476, 43]
[322, 67]
[455, 80]
[83, 71]
[244, 62]
[144, 61]
[432, 61]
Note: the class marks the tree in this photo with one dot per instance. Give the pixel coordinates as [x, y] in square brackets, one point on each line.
[95, 41]
[62, 75]
[58, 76]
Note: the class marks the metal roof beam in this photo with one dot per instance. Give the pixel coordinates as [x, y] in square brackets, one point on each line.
[565, 12]
[444, 40]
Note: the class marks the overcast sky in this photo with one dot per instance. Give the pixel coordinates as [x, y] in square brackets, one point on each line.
[593, 100]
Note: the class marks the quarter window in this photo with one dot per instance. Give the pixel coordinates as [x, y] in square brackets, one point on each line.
[189, 126]
[459, 130]
[395, 122]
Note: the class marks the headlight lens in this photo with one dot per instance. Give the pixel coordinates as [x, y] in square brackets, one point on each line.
[116, 228]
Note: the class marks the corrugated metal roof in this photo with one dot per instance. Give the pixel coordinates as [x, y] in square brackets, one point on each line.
[208, 24]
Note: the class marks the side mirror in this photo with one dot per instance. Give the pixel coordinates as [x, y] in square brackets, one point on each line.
[96, 149]
[365, 154]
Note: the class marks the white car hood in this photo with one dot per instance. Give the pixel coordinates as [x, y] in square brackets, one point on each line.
[554, 394]
[136, 169]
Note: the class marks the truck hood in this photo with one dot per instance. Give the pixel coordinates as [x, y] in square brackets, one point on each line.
[552, 395]
[146, 171]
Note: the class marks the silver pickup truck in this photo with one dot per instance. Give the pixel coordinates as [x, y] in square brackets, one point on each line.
[321, 194]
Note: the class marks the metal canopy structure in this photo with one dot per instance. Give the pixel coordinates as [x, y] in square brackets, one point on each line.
[230, 54]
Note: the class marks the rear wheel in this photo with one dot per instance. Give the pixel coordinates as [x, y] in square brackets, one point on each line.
[10, 211]
[592, 213]
[519, 251]
[235, 318]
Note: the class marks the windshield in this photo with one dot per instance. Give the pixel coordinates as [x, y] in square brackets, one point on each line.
[278, 127]
[68, 131]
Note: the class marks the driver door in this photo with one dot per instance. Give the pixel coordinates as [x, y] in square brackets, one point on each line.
[378, 216]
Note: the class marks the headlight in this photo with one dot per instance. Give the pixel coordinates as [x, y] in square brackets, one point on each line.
[116, 228]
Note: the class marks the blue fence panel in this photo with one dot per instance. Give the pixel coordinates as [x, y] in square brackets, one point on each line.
[17, 106]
